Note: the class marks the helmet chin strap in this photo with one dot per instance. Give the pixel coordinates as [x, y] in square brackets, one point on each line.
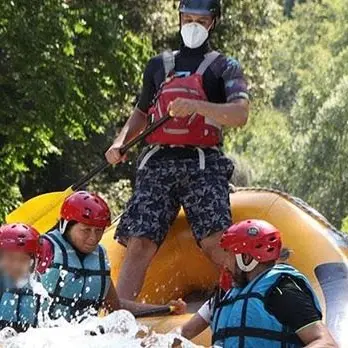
[62, 225]
[243, 266]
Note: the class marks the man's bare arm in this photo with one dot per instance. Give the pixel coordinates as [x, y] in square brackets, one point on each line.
[112, 302]
[179, 306]
[234, 114]
[316, 335]
[193, 327]
[133, 127]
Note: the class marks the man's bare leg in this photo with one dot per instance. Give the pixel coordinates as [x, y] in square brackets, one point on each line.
[139, 254]
[211, 248]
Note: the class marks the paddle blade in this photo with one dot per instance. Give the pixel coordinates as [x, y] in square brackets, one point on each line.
[41, 212]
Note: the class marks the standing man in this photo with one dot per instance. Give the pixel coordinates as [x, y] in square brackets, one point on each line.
[271, 305]
[183, 164]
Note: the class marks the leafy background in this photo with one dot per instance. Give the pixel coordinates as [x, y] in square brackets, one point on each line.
[70, 70]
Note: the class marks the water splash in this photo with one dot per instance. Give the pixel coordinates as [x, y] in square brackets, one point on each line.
[119, 329]
[38, 288]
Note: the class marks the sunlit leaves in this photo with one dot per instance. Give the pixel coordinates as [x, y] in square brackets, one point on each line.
[66, 73]
[312, 71]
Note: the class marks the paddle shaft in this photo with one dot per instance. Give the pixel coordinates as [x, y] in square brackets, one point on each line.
[154, 312]
[84, 180]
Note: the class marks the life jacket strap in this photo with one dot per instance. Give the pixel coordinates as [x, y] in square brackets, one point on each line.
[20, 291]
[148, 156]
[168, 58]
[77, 303]
[209, 58]
[51, 237]
[37, 309]
[81, 272]
[105, 273]
[201, 157]
[245, 332]
[231, 301]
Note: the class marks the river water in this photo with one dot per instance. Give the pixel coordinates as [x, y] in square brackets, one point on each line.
[117, 330]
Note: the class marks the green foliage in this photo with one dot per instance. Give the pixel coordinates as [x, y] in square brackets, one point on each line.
[312, 69]
[69, 72]
[246, 33]
[66, 73]
[116, 194]
[344, 226]
[301, 145]
[242, 173]
[264, 144]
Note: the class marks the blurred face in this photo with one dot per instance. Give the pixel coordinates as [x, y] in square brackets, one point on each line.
[85, 238]
[206, 21]
[17, 265]
[229, 262]
[240, 278]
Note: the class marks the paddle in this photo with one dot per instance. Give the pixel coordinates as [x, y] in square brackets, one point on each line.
[155, 312]
[42, 212]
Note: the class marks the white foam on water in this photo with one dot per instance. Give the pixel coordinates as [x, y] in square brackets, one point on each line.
[38, 287]
[119, 329]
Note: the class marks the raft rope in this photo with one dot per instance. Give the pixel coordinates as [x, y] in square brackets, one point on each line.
[298, 203]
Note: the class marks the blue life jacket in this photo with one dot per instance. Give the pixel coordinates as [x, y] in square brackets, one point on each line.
[75, 284]
[242, 321]
[19, 307]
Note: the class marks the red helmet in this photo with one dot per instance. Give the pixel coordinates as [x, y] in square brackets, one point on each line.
[257, 238]
[86, 208]
[20, 237]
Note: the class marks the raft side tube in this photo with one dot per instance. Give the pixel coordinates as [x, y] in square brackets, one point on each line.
[180, 267]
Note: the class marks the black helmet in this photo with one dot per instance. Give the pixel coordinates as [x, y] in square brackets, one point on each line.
[201, 7]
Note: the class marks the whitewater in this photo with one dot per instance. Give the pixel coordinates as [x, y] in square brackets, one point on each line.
[117, 330]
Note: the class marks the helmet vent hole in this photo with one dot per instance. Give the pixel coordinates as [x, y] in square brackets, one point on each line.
[258, 246]
[21, 235]
[270, 250]
[249, 222]
[272, 239]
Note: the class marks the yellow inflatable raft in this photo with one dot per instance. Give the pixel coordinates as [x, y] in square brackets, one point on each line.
[318, 250]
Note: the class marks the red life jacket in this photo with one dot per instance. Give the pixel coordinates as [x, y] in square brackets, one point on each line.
[195, 129]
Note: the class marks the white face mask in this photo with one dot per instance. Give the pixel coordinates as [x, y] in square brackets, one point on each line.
[194, 34]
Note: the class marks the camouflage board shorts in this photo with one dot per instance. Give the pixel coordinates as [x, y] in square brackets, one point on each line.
[198, 182]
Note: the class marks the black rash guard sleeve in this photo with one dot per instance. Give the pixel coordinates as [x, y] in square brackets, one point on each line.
[292, 304]
[148, 91]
